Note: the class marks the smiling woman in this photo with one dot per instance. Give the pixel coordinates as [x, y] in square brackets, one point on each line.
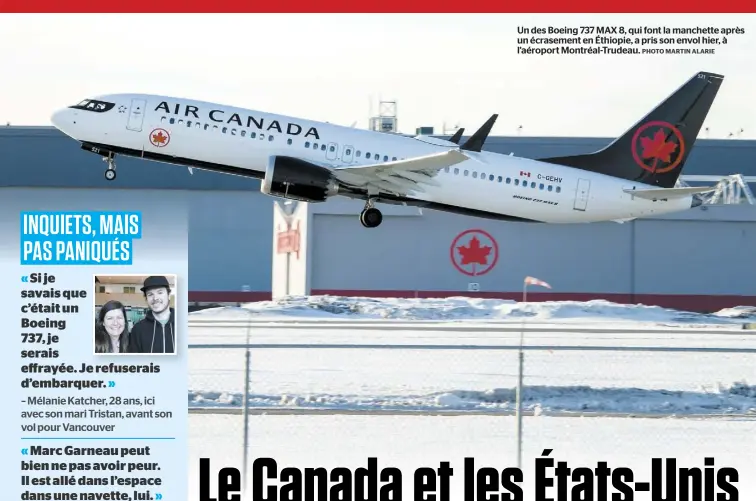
[135, 314]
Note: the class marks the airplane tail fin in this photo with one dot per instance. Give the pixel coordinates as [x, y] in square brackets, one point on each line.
[654, 150]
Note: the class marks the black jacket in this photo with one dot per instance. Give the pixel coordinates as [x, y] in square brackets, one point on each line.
[150, 336]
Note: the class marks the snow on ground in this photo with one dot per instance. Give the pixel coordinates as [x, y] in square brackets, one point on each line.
[628, 380]
[466, 309]
[370, 380]
[451, 375]
[411, 442]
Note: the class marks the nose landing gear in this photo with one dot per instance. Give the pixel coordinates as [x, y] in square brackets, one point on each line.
[110, 172]
[370, 216]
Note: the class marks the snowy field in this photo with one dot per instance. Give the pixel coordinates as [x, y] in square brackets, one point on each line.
[581, 357]
[327, 402]
[470, 309]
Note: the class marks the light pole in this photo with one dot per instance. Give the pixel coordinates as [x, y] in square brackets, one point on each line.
[526, 282]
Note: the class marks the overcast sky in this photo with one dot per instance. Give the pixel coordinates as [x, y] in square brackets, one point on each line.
[457, 69]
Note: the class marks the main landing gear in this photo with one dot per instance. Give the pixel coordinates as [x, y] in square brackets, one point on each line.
[370, 216]
[110, 173]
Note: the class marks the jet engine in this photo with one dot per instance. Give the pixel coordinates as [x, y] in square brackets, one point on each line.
[296, 179]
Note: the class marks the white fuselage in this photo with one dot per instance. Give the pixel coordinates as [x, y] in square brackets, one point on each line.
[198, 133]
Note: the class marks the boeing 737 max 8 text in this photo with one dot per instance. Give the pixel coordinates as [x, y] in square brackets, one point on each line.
[311, 161]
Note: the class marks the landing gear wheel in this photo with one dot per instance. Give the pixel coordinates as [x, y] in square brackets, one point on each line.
[371, 218]
[110, 173]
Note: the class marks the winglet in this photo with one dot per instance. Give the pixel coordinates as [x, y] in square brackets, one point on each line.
[476, 141]
[457, 136]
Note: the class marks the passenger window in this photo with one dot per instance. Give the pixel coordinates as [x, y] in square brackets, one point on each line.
[252, 135]
[332, 148]
[491, 178]
[322, 147]
[243, 133]
[517, 182]
[233, 132]
[197, 125]
[307, 144]
[359, 153]
[315, 146]
[466, 172]
[270, 138]
[367, 155]
[288, 141]
[224, 129]
[558, 189]
[188, 123]
[540, 186]
[207, 126]
[181, 122]
[348, 151]
[549, 188]
[162, 119]
[456, 171]
[393, 159]
[262, 136]
[475, 174]
[385, 158]
[172, 120]
[509, 180]
[215, 127]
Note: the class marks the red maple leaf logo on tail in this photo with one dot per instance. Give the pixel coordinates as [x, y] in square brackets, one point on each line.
[473, 252]
[658, 147]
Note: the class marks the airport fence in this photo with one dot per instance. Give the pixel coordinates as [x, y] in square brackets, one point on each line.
[247, 368]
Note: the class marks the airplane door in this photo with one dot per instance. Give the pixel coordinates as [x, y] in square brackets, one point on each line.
[136, 114]
[581, 196]
[333, 151]
[348, 154]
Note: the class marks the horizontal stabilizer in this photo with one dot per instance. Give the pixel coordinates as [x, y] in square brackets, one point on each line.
[669, 192]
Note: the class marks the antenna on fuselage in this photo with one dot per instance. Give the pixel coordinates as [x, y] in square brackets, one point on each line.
[476, 141]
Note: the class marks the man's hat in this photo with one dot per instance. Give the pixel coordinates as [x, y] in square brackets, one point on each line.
[157, 281]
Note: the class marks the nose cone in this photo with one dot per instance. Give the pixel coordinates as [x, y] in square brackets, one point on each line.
[63, 120]
[58, 117]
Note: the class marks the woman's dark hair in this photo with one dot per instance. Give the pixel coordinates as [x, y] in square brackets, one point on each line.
[102, 338]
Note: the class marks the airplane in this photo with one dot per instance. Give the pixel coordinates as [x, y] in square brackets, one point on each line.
[312, 161]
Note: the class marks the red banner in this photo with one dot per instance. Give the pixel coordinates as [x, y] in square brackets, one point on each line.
[375, 6]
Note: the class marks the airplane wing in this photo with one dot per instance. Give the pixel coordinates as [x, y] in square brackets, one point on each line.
[657, 193]
[401, 176]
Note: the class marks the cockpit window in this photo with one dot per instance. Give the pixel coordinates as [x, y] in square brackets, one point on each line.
[94, 105]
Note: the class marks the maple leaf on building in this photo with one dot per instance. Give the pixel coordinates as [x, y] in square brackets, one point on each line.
[158, 138]
[658, 147]
[473, 252]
